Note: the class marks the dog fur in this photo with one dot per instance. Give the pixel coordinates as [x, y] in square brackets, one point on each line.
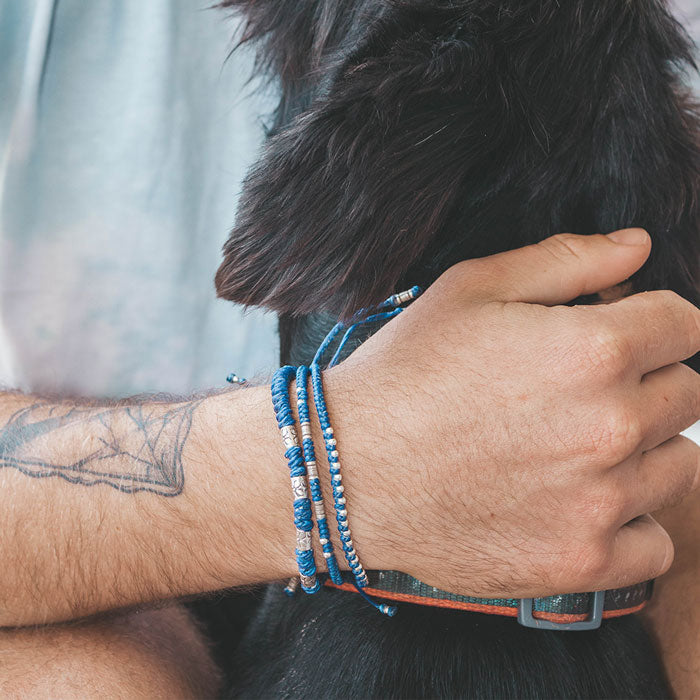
[412, 134]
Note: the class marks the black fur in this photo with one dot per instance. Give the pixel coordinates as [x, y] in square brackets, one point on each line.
[412, 134]
[336, 646]
[429, 132]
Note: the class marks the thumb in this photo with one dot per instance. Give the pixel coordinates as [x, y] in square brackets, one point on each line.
[565, 266]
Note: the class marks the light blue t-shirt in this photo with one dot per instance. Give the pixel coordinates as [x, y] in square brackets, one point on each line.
[124, 136]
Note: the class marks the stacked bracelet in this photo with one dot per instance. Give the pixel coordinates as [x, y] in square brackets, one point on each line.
[302, 459]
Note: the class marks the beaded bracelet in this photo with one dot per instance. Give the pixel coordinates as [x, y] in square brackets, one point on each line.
[297, 472]
[312, 471]
[336, 479]
[301, 460]
[360, 318]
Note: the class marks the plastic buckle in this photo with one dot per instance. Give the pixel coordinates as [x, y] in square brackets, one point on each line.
[593, 622]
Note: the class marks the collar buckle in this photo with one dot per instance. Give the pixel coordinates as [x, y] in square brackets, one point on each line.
[593, 622]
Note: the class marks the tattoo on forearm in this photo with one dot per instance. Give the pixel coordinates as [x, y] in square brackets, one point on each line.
[131, 448]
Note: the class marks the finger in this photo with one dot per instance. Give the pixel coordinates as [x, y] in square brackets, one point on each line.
[669, 403]
[658, 328]
[641, 550]
[565, 266]
[657, 479]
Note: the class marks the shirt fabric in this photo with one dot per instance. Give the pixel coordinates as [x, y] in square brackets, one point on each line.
[124, 134]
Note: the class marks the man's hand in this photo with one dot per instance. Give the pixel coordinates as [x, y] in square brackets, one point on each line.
[493, 443]
[496, 443]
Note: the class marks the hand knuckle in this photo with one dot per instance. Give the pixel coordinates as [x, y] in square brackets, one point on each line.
[606, 352]
[454, 274]
[668, 298]
[467, 274]
[616, 434]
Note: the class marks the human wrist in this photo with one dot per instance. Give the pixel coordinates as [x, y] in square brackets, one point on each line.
[242, 487]
[364, 493]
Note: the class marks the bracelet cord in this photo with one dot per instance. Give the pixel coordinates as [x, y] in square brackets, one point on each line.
[301, 459]
[302, 377]
[360, 318]
[297, 472]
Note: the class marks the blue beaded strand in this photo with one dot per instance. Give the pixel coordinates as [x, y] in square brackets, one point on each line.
[360, 318]
[297, 472]
[312, 471]
[351, 557]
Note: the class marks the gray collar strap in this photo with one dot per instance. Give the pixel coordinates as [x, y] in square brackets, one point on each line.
[574, 611]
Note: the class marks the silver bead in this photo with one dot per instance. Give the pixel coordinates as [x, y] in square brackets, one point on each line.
[299, 487]
[306, 431]
[292, 585]
[233, 378]
[308, 581]
[402, 297]
[303, 540]
[289, 436]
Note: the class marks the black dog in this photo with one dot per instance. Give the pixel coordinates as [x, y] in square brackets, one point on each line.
[412, 134]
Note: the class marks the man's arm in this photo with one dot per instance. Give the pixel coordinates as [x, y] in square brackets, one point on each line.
[108, 506]
[494, 443]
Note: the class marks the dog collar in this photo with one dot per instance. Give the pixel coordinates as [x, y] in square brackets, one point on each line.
[574, 611]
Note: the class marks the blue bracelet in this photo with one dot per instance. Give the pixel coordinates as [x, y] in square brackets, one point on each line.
[336, 479]
[297, 472]
[312, 471]
[302, 459]
[362, 317]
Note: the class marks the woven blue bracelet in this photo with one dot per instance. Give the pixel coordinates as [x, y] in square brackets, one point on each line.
[312, 471]
[302, 459]
[297, 472]
[336, 479]
[362, 317]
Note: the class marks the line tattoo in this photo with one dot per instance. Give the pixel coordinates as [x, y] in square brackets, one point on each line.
[131, 448]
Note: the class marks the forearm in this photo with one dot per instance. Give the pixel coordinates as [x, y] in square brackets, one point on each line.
[109, 506]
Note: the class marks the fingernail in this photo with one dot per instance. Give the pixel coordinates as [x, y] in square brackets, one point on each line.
[629, 236]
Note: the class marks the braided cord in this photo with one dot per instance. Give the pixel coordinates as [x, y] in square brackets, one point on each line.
[324, 534]
[301, 459]
[297, 472]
